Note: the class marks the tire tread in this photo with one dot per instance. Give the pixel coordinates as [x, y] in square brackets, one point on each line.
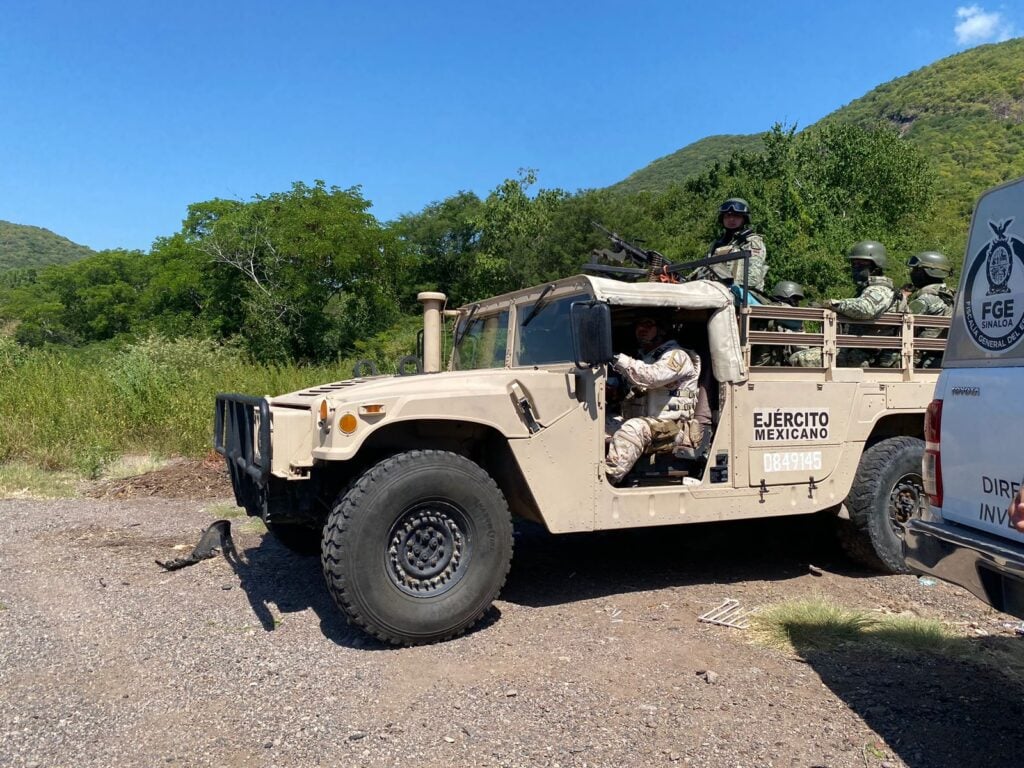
[350, 504]
[855, 534]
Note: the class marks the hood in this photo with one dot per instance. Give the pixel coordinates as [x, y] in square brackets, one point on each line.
[445, 384]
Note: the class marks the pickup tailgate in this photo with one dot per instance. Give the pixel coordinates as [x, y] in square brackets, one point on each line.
[982, 447]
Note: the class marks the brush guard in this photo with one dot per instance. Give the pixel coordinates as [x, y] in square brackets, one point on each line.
[241, 434]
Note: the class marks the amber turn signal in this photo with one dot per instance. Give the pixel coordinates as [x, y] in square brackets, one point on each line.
[347, 423]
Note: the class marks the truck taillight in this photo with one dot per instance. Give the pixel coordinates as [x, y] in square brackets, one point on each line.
[931, 464]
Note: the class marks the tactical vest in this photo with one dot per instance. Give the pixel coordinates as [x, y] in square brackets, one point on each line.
[679, 402]
[729, 270]
[942, 291]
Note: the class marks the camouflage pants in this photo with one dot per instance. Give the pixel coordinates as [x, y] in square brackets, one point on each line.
[628, 440]
[776, 356]
[847, 358]
[688, 439]
[806, 358]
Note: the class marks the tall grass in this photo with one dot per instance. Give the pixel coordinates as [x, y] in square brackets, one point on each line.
[79, 409]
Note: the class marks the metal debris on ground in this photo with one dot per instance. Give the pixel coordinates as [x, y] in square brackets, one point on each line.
[728, 614]
[215, 538]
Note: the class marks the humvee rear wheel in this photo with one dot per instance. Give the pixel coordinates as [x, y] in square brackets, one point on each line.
[417, 549]
[887, 492]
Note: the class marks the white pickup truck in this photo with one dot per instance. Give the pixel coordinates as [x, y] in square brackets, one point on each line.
[974, 456]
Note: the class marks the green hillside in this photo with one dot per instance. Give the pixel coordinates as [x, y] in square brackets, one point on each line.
[25, 246]
[965, 112]
[688, 161]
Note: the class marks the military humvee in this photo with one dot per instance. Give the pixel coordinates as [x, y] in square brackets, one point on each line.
[406, 484]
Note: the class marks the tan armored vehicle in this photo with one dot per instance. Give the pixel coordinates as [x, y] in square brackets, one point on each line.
[409, 483]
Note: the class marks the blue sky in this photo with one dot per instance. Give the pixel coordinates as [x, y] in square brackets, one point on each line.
[117, 115]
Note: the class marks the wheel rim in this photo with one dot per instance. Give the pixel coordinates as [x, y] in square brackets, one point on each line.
[905, 502]
[428, 548]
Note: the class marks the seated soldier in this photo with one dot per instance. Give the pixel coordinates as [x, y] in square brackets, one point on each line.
[875, 296]
[928, 273]
[666, 376]
[785, 292]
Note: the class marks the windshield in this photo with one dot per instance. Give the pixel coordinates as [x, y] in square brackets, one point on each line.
[546, 338]
[483, 343]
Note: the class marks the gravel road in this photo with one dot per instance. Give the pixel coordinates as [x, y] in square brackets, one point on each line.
[592, 657]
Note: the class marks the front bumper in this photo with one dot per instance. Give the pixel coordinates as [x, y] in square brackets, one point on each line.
[989, 567]
[241, 434]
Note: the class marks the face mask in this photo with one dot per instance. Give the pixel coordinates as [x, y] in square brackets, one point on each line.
[919, 278]
[861, 275]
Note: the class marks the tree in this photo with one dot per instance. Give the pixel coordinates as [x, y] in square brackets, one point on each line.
[300, 274]
[443, 241]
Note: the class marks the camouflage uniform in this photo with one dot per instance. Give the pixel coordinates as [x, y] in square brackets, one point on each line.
[745, 240]
[786, 293]
[936, 300]
[763, 354]
[877, 297]
[669, 374]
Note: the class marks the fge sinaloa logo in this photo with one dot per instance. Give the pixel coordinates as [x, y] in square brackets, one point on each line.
[994, 306]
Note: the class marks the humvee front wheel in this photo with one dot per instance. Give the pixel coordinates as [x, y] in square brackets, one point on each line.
[417, 549]
[887, 492]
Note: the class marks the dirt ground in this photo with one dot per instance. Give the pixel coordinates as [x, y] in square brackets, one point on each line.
[180, 479]
[593, 656]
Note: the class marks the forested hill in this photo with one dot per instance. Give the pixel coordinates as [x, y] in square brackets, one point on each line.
[688, 161]
[966, 112]
[25, 246]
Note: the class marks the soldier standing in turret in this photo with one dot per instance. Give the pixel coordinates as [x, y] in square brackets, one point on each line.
[928, 273]
[738, 235]
[875, 296]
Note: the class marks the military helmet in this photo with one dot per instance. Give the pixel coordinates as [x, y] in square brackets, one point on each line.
[735, 205]
[933, 263]
[787, 290]
[662, 319]
[868, 250]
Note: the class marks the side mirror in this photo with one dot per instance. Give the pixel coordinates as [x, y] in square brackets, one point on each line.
[591, 323]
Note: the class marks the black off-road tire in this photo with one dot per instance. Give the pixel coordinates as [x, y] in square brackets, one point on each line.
[300, 539]
[887, 491]
[418, 548]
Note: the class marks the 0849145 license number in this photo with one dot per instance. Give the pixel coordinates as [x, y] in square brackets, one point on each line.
[792, 461]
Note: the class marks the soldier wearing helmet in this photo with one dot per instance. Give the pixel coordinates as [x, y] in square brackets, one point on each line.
[928, 272]
[667, 376]
[789, 293]
[876, 295]
[738, 235]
